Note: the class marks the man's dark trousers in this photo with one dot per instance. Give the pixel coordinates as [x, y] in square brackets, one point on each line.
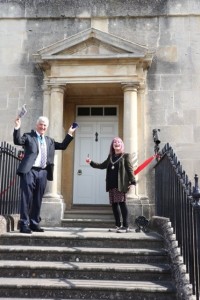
[33, 186]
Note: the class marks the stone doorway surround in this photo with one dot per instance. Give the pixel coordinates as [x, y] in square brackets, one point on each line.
[88, 57]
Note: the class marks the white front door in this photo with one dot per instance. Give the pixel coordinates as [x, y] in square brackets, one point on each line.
[92, 138]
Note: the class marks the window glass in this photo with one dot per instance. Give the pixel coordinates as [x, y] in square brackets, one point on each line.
[83, 111]
[96, 111]
[110, 111]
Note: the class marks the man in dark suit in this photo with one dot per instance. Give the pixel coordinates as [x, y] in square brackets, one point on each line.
[35, 168]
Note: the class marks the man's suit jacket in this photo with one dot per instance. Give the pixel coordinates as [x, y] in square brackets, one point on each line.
[29, 142]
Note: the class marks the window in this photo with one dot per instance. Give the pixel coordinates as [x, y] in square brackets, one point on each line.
[97, 111]
[83, 111]
[110, 111]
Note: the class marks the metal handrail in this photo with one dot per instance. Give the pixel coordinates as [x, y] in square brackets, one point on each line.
[9, 181]
[176, 199]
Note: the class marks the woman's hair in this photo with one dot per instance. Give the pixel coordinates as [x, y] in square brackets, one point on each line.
[112, 151]
[43, 119]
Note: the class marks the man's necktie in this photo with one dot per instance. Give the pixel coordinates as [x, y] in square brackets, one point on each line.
[43, 152]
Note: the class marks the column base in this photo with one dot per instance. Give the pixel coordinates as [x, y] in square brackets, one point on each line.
[52, 210]
[138, 206]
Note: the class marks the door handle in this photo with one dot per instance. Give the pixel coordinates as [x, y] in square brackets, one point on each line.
[79, 172]
[96, 137]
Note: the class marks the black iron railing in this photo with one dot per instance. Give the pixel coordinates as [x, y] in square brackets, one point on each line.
[9, 181]
[177, 200]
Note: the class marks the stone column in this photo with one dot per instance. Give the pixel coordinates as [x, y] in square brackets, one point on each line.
[130, 137]
[46, 99]
[130, 126]
[141, 139]
[53, 205]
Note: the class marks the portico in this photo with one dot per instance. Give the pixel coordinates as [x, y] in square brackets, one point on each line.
[91, 67]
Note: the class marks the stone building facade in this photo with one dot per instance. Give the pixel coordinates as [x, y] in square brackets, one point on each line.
[117, 67]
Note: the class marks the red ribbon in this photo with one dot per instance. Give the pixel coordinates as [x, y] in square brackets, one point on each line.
[9, 186]
[144, 164]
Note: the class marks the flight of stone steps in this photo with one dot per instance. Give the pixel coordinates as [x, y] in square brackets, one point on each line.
[84, 263]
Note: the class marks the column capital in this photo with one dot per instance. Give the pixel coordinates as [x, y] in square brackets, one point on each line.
[130, 86]
[58, 88]
[46, 89]
[141, 90]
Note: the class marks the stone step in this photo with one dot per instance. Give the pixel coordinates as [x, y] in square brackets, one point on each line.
[83, 254]
[80, 237]
[87, 222]
[84, 289]
[90, 216]
[91, 213]
[84, 270]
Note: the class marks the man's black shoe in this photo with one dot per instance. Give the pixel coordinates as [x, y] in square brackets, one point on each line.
[25, 230]
[36, 228]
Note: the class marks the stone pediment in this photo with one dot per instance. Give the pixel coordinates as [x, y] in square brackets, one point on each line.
[92, 44]
[91, 47]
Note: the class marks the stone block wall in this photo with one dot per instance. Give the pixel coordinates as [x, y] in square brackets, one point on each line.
[170, 27]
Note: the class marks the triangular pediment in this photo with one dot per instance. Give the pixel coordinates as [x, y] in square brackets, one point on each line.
[92, 43]
[92, 46]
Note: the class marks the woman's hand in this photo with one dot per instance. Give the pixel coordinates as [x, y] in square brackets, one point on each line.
[88, 160]
[17, 123]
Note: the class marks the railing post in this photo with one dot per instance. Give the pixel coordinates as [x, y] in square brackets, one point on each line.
[196, 206]
[196, 192]
[156, 141]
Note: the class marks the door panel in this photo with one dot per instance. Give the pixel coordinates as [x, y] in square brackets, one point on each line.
[91, 138]
[83, 179]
